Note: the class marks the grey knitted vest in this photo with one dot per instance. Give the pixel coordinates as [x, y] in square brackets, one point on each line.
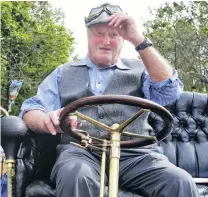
[73, 85]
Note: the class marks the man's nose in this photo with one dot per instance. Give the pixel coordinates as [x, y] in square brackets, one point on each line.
[106, 39]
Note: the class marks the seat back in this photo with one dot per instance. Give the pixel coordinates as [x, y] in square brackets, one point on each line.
[35, 159]
[187, 146]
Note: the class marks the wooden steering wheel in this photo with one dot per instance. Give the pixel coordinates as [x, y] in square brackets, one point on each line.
[146, 105]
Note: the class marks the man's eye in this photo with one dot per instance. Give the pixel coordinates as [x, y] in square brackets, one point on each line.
[114, 35]
[99, 33]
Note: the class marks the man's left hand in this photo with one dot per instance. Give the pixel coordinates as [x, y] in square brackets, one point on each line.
[126, 27]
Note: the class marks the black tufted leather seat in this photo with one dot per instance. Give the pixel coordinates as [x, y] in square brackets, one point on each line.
[186, 147]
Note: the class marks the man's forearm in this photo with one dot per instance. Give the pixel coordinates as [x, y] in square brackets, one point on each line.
[34, 120]
[158, 67]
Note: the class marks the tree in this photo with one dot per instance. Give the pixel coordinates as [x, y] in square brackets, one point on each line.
[34, 42]
[180, 32]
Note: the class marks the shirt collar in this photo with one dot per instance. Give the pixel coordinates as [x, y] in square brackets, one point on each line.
[87, 62]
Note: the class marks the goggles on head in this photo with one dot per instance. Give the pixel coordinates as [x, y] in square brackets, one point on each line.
[96, 12]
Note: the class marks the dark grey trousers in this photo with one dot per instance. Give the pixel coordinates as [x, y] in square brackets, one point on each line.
[142, 171]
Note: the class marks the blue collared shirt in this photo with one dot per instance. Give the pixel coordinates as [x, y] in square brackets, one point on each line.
[48, 98]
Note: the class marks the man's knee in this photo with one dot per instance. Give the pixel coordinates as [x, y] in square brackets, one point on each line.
[77, 170]
[177, 182]
[178, 175]
[181, 181]
[77, 178]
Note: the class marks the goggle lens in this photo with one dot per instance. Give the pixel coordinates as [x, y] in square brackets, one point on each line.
[113, 8]
[95, 12]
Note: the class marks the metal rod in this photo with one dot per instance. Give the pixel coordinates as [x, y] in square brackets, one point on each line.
[114, 164]
[102, 174]
[4, 111]
[130, 120]
[200, 180]
[10, 168]
[153, 138]
[92, 121]
[2, 157]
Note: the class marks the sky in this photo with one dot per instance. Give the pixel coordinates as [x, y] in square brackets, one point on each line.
[76, 10]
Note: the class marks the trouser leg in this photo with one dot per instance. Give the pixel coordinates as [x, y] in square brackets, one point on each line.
[77, 179]
[76, 174]
[153, 175]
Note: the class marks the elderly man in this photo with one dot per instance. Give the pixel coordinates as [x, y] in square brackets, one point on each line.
[102, 72]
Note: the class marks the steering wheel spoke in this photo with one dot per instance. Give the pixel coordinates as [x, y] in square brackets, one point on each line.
[93, 121]
[130, 120]
[129, 134]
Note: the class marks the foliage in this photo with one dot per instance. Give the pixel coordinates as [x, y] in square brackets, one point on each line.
[180, 32]
[33, 43]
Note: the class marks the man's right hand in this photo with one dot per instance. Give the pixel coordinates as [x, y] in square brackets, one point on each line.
[41, 122]
[52, 124]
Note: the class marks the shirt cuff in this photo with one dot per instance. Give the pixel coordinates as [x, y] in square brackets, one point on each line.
[163, 92]
[160, 84]
[30, 109]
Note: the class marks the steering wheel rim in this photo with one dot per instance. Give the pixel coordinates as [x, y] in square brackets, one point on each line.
[120, 99]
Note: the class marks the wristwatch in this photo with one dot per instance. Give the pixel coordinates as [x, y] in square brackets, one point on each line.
[146, 43]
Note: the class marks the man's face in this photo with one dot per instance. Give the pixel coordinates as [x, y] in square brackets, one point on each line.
[104, 44]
